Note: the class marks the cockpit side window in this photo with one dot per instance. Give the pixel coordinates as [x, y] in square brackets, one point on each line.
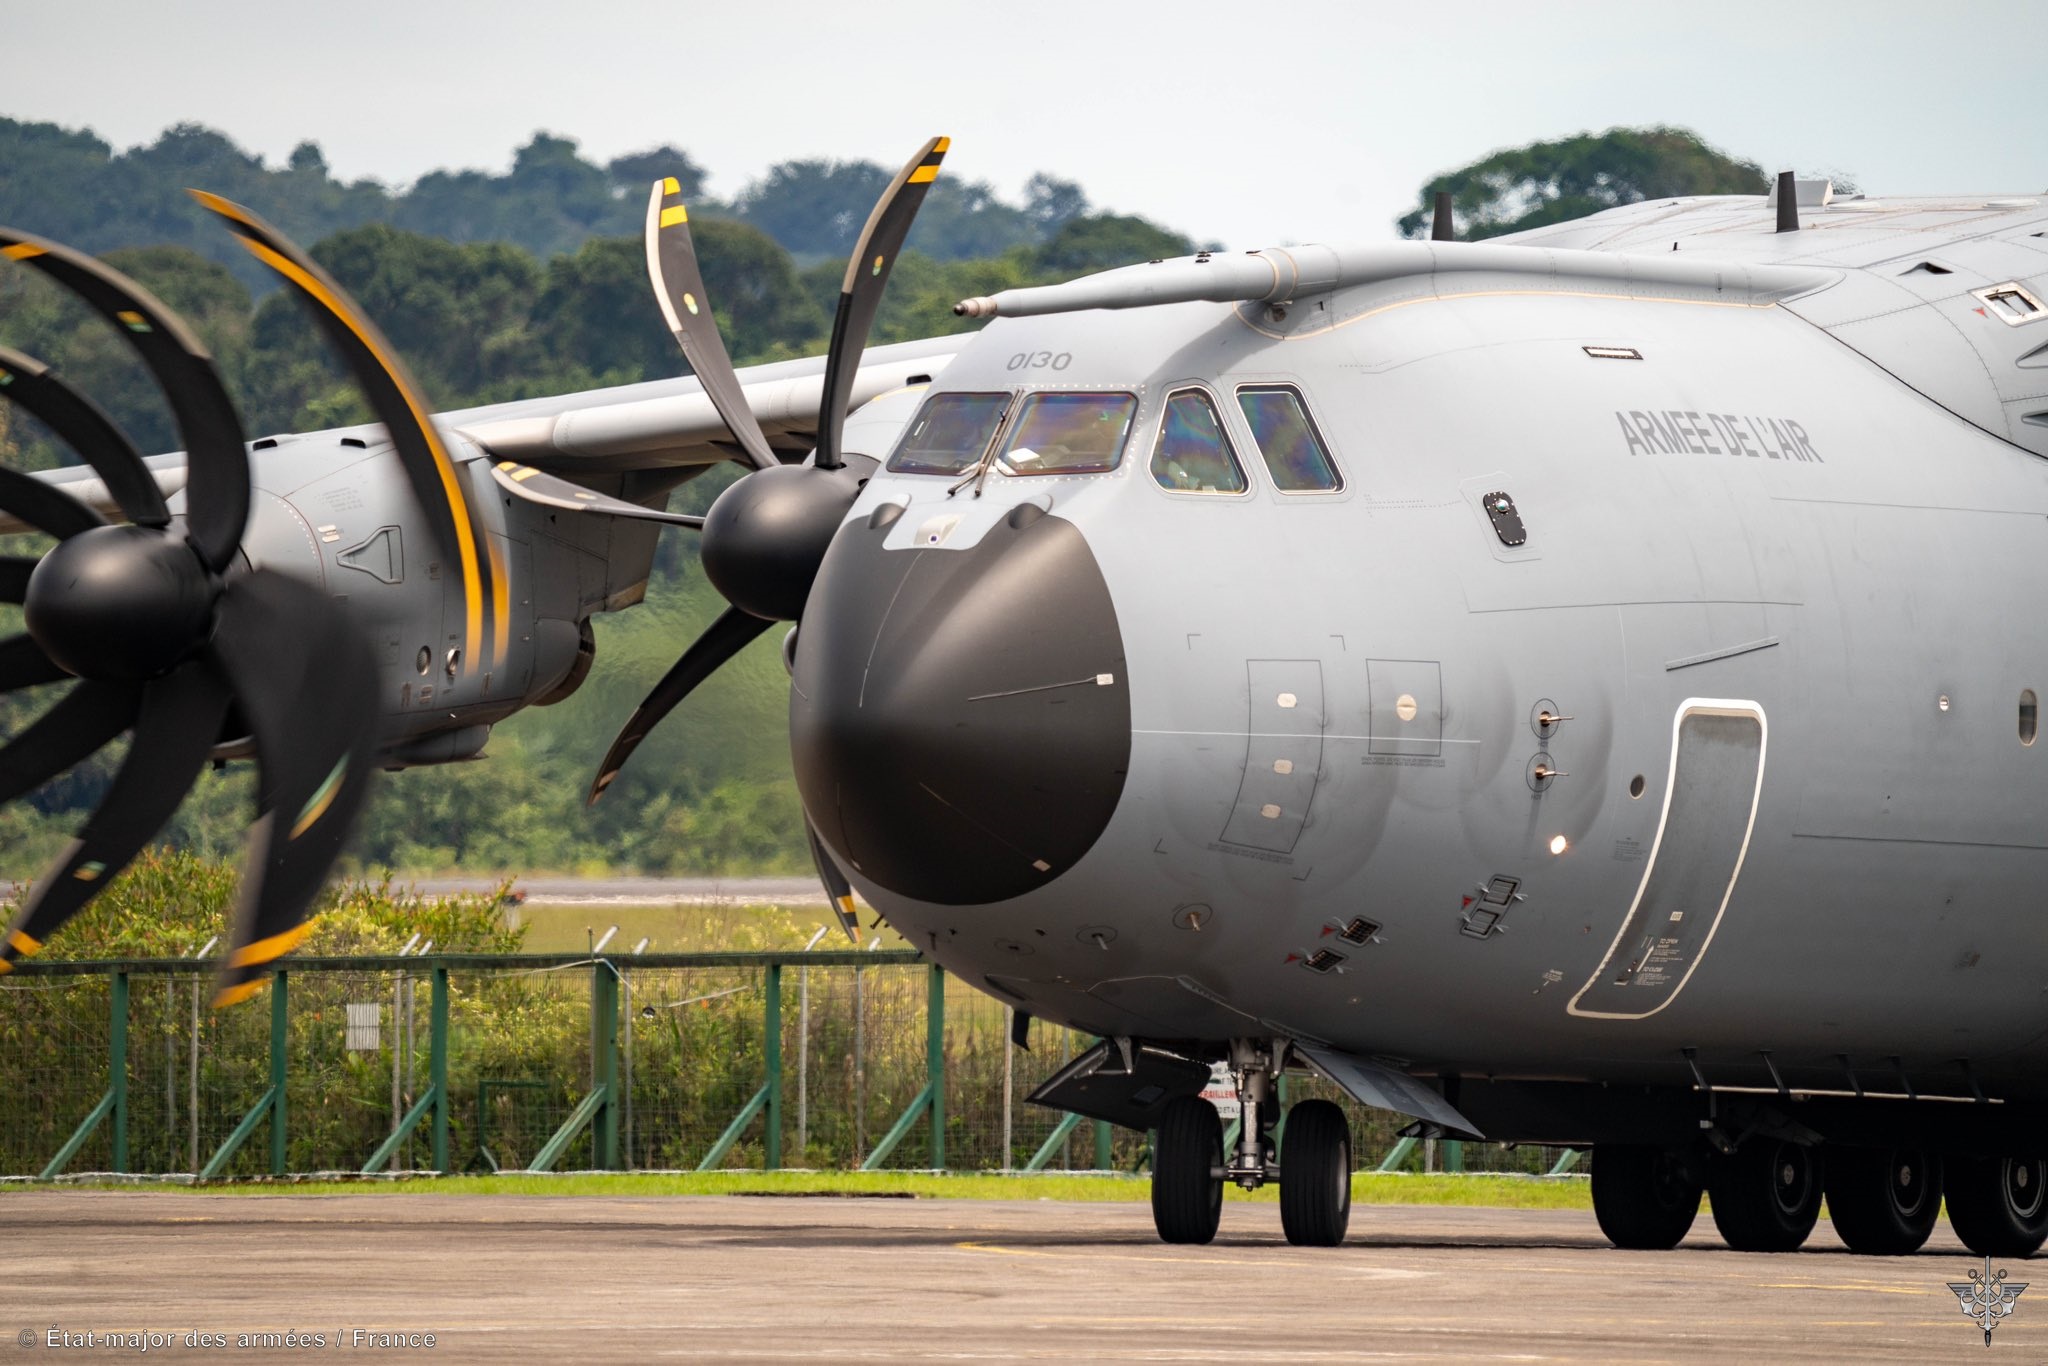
[1287, 437]
[1193, 454]
[1069, 433]
[949, 433]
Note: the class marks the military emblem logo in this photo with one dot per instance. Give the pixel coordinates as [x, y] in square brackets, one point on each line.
[1987, 1297]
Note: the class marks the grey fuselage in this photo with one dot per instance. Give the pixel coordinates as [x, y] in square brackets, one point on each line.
[1767, 514]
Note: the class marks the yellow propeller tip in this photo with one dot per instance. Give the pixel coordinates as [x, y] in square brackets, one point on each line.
[235, 995]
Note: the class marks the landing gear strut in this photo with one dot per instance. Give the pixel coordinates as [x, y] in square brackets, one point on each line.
[1190, 1166]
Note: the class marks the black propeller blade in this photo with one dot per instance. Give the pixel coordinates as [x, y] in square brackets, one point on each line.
[180, 715]
[45, 507]
[836, 885]
[165, 636]
[14, 572]
[398, 403]
[722, 639]
[23, 663]
[766, 535]
[314, 726]
[79, 423]
[679, 289]
[81, 721]
[860, 293]
[217, 469]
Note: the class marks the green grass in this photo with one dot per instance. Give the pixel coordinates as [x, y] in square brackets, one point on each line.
[1368, 1188]
[684, 928]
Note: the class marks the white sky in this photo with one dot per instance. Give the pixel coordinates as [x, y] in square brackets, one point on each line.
[1248, 123]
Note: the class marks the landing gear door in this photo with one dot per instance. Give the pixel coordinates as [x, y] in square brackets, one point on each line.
[1717, 770]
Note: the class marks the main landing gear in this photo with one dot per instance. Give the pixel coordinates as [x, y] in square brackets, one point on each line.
[1312, 1164]
[1767, 1193]
[1998, 1206]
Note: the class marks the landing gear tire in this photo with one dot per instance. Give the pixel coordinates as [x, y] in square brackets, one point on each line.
[1645, 1198]
[1883, 1201]
[1998, 1206]
[1766, 1195]
[1187, 1165]
[1315, 1175]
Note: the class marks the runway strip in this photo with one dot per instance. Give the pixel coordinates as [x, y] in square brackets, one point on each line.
[499, 1278]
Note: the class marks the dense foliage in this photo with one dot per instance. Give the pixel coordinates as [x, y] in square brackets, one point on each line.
[1554, 182]
[69, 184]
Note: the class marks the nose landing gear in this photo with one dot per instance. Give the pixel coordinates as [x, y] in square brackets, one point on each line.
[1190, 1166]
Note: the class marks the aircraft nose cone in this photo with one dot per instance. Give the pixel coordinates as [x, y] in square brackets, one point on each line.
[960, 717]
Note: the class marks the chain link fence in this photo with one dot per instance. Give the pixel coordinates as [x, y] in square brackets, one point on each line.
[501, 1063]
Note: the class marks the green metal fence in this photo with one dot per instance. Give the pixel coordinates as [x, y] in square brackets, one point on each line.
[540, 1062]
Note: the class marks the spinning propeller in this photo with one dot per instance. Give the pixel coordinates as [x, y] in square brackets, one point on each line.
[169, 633]
[766, 535]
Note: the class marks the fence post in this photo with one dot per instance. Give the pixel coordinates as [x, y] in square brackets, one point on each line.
[935, 1060]
[604, 1064]
[277, 1060]
[437, 1066]
[117, 1062]
[771, 1028]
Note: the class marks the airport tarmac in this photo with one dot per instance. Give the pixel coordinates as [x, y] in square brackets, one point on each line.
[508, 1278]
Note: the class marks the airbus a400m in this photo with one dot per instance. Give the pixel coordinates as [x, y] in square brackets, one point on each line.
[1576, 688]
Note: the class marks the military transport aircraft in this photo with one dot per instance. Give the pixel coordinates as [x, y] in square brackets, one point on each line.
[1404, 662]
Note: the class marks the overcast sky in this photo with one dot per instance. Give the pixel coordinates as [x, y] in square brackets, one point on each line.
[1248, 123]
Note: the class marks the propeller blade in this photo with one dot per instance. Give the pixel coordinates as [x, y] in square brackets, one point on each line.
[23, 664]
[836, 885]
[306, 682]
[679, 288]
[398, 403]
[43, 506]
[860, 294]
[80, 722]
[81, 425]
[538, 486]
[14, 572]
[180, 717]
[722, 639]
[217, 466]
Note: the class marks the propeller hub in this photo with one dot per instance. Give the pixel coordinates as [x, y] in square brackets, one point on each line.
[120, 602]
[765, 536]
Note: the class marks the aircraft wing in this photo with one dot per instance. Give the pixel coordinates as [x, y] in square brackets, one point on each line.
[672, 422]
[654, 425]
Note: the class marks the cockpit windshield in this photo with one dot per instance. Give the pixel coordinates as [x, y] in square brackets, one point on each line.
[1065, 433]
[950, 433]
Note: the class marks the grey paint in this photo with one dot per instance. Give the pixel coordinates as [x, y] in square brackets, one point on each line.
[1844, 574]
